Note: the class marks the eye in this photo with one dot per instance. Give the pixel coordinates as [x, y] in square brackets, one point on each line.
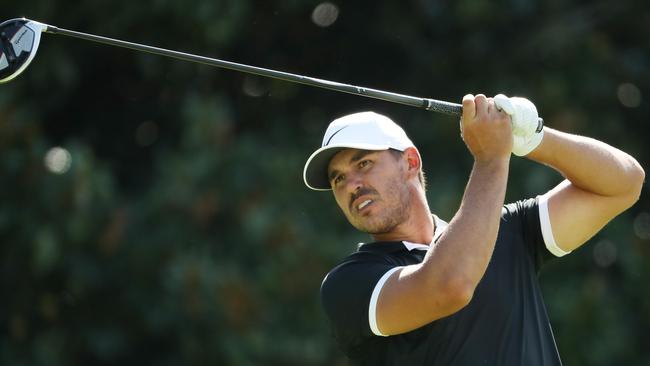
[364, 163]
[338, 179]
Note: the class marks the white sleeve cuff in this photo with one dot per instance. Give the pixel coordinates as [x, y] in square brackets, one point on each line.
[372, 309]
[547, 231]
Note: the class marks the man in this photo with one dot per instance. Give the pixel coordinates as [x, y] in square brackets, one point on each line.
[426, 292]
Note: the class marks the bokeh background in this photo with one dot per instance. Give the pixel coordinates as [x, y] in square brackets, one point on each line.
[152, 211]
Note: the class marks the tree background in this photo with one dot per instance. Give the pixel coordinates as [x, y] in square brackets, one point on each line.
[178, 230]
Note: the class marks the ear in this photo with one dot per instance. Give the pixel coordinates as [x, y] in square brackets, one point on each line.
[413, 160]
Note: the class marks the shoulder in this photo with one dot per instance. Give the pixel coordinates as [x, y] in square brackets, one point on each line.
[347, 289]
[520, 208]
[528, 221]
[359, 264]
[521, 217]
[361, 270]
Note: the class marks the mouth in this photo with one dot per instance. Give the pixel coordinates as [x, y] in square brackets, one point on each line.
[362, 204]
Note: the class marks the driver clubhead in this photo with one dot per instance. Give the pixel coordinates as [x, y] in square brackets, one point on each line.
[19, 40]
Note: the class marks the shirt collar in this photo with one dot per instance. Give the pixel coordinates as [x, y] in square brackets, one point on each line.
[440, 227]
[410, 246]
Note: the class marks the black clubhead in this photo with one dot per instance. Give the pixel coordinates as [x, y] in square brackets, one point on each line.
[19, 40]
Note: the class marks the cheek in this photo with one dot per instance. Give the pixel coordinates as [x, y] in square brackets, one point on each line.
[338, 201]
[394, 187]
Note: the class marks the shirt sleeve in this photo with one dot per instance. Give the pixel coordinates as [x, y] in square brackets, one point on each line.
[349, 296]
[547, 230]
[537, 233]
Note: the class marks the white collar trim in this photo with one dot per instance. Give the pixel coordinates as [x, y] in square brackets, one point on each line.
[410, 246]
[440, 227]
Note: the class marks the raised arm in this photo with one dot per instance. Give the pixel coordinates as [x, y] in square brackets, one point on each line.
[601, 182]
[445, 281]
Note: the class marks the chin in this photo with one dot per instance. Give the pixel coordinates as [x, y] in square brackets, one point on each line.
[375, 227]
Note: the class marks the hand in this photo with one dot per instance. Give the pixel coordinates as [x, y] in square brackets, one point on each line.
[524, 123]
[486, 131]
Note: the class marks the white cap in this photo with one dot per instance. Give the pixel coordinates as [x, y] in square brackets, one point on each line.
[364, 131]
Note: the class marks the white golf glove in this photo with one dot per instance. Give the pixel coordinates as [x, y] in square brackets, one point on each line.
[524, 118]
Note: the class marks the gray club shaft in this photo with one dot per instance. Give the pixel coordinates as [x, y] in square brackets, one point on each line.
[453, 109]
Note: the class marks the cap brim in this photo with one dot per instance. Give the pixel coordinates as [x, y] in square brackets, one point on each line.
[315, 172]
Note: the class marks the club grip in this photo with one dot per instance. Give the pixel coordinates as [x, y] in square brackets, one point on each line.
[452, 109]
[455, 109]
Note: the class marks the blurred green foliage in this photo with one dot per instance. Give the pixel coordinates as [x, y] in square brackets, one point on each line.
[182, 233]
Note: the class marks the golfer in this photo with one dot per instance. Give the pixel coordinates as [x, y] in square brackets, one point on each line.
[463, 292]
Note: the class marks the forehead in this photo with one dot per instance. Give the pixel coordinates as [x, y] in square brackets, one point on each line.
[349, 156]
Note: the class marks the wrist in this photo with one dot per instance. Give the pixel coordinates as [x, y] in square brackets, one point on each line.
[492, 164]
[525, 144]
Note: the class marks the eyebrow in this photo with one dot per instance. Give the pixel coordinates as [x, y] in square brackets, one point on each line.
[356, 157]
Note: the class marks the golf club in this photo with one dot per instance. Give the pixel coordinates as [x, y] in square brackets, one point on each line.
[20, 38]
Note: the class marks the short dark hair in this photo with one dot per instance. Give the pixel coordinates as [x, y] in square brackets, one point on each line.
[421, 176]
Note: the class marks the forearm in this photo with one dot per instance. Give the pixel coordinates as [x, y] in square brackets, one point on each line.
[461, 255]
[445, 281]
[589, 164]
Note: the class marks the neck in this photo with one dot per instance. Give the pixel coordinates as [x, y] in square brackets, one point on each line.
[419, 226]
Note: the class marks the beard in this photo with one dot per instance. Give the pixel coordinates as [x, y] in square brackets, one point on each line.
[396, 210]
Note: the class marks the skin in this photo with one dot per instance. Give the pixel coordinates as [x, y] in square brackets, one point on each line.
[361, 175]
[601, 182]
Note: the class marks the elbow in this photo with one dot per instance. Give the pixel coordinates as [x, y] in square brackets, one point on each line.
[459, 293]
[640, 173]
[637, 179]
[443, 292]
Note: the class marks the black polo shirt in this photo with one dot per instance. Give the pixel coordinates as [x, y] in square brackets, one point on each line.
[505, 323]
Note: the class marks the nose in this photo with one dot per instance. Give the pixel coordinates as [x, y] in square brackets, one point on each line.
[354, 182]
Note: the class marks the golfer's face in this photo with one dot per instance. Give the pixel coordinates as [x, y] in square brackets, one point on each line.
[369, 188]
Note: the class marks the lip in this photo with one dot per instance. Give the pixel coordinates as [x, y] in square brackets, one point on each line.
[366, 207]
[354, 204]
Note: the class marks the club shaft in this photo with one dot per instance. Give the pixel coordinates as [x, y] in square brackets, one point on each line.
[424, 103]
